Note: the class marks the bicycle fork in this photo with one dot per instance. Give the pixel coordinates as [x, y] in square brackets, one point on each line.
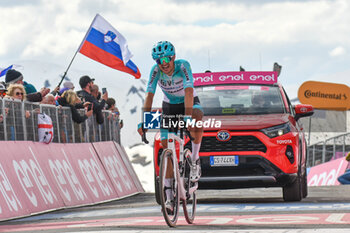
[179, 181]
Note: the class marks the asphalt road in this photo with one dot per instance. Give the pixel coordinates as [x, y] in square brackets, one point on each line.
[326, 209]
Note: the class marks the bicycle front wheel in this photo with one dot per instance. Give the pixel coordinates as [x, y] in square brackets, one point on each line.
[170, 208]
[190, 204]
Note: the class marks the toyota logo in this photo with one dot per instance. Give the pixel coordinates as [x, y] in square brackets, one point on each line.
[223, 135]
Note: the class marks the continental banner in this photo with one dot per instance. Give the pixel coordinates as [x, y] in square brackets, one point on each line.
[324, 95]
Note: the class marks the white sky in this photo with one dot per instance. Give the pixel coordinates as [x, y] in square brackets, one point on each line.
[310, 39]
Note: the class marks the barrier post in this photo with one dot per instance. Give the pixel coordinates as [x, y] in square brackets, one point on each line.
[24, 122]
[110, 128]
[58, 126]
[4, 118]
[343, 144]
[73, 132]
[324, 152]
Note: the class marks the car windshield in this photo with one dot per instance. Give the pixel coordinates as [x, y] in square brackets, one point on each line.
[240, 100]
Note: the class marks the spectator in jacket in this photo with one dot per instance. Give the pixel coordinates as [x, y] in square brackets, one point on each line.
[15, 77]
[70, 99]
[85, 94]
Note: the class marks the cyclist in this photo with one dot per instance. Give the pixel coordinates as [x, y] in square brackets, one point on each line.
[175, 79]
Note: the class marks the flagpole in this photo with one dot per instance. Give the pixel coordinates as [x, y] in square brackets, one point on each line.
[65, 73]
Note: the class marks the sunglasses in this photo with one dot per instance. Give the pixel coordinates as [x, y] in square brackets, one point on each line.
[2, 93]
[165, 59]
[19, 93]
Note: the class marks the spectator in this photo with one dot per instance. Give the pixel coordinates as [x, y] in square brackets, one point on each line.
[111, 105]
[67, 85]
[95, 92]
[70, 99]
[345, 178]
[86, 84]
[115, 112]
[17, 91]
[14, 76]
[3, 90]
[49, 99]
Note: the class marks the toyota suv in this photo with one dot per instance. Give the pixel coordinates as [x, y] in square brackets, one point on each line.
[259, 141]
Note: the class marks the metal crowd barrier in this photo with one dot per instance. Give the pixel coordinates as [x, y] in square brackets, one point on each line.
[328, 149]
[16, 126]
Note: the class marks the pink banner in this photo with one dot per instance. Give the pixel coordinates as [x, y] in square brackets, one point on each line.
[217, 78]
[94, 177]
[29, 178]
[68, 180]
[37, 177]
[327, 173]
[11, 201]
[115, 167]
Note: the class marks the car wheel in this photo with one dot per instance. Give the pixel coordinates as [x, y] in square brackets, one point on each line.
[293, 192]
[156, 188]
[304, 184]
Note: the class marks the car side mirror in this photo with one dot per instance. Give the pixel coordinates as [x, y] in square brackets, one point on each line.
[303, 110]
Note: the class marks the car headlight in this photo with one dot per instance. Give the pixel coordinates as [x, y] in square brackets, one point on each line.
[277, 130]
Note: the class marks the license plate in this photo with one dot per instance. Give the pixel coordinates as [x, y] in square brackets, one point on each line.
[216, 161]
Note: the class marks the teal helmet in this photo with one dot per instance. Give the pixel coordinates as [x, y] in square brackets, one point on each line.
[163, 49]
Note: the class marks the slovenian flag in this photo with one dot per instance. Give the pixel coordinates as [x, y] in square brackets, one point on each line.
[105, 44]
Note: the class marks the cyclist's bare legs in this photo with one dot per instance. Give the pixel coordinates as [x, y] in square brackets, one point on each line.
[197, 133]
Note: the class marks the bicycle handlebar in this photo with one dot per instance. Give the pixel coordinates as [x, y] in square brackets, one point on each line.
[144, 139]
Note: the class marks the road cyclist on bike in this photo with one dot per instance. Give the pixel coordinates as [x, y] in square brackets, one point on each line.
[175, 79]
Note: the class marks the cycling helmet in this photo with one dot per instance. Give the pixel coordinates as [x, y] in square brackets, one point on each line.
[163, 49]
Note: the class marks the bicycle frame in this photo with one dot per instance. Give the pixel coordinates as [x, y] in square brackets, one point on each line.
[172, 138]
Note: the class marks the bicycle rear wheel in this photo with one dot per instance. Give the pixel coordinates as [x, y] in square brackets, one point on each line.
[166, 167]
[190, 204]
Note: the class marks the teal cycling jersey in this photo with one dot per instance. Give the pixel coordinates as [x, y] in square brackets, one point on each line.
[172, 86]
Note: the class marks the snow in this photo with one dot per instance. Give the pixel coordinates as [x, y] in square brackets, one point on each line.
[141, 157]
